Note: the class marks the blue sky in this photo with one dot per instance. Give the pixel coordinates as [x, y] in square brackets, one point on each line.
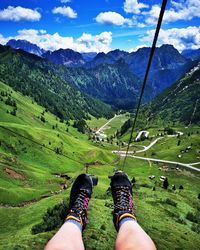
[99, 25]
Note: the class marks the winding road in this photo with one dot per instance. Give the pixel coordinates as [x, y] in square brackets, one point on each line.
[145, 148]
[186, 165]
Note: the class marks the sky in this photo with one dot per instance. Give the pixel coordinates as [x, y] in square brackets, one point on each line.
[100, 25]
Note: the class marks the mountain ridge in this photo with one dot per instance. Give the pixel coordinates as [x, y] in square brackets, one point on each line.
[26, 46]
[168, 64]
[179, 103]
[34, 76]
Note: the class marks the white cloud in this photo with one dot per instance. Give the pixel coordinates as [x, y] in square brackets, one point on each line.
[183, 38]
[151, 17]
[133, 6]
[3, 40]
[180, 10]
[111, 18]
[85, 43]
[18, 14]
[65, 11]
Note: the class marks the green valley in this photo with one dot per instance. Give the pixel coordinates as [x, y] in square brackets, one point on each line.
[39, 159]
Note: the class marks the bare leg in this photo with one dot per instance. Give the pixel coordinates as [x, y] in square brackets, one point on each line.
[69, 237]
[132, 237]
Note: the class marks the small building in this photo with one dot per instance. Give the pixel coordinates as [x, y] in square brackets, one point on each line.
[151, 177]
[162, 178]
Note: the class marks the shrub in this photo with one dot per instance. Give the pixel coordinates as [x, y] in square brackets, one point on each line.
[181, 221]
[52, 219]
[192, 217]
[196, 228]
[103, 227]
[133, 180]
[170, 202]
[169, 131]
[13, 112]
[180, 187]
[94, 237]
[81, 125]
[165, 184]
[58, 150]
[10, 102]
[42, 118]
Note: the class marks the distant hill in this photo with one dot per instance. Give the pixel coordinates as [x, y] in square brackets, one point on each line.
[180, 102]
[168, 65]
[110, 58]
[114, 84]
[88, 56]
[26, 46]
[66, 57]
[36, 77]
[192, 54]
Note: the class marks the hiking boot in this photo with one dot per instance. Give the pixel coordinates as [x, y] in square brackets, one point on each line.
[122, 196]
[79, 199]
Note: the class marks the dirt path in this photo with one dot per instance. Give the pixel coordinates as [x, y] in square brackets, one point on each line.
[100, 130]
[186, 165]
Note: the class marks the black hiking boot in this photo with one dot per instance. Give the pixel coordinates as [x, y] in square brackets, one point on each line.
[79, 198]
[122, 196]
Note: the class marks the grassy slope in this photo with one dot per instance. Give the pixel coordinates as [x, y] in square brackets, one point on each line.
[37, 164]
[168, 148]
[183, 95]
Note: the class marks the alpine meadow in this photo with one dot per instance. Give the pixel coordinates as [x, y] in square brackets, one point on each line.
[100, 90]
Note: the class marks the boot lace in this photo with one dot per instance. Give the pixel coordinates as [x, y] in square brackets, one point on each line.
[82, 201]
[123, 199]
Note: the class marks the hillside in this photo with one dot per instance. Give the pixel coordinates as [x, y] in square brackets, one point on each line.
[192, 54]
[179, 103]
[113, 84]
[33, 156]
[34, 172]
[36, 77]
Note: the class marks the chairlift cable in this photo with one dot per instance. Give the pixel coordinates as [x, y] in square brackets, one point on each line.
[153, 47]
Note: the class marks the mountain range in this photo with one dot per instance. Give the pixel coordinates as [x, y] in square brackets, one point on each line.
[115, 78]
[36, 77]
[167, 67]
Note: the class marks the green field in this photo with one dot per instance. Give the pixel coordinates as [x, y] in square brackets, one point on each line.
[32, 157]
[171, 148]
[112, 127]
